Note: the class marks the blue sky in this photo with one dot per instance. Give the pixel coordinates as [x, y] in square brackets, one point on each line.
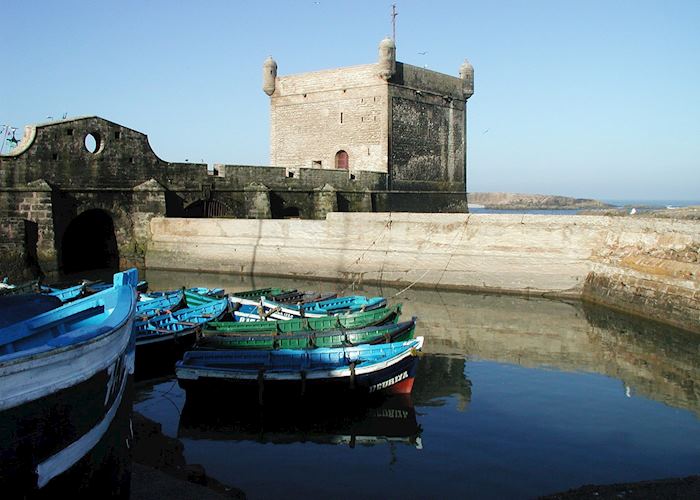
[592, 99]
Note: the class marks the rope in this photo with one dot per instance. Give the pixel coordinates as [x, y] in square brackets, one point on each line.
[261, 385]
[352, 375]
[409, 286]
[387, 226]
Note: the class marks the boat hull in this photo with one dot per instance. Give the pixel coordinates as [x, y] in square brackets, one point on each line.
[309, 339]
[66, 380]
[376, 317]
[391, 376]
[76, 440]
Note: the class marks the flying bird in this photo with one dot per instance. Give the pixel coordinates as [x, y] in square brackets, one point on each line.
[422, 53]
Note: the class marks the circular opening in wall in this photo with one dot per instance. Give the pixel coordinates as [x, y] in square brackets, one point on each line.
[92, 143]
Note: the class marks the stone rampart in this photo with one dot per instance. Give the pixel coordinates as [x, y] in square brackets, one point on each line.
[648, 267]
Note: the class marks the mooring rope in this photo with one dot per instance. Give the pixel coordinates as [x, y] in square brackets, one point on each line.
[409, 286]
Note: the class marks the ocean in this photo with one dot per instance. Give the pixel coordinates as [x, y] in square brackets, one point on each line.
[637, 204]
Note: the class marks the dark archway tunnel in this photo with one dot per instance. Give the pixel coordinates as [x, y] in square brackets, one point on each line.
[89, 243]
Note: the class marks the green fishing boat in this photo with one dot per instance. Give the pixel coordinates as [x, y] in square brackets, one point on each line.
[194, 298]
[393, 332]
[256, 294]
[382, 316]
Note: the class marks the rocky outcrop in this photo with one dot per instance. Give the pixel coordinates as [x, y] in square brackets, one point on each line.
[517, 201]
[683, 213]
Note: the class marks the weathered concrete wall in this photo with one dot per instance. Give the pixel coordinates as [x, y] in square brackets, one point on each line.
[569, 256]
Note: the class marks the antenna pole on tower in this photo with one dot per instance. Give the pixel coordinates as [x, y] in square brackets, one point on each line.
[393, 21]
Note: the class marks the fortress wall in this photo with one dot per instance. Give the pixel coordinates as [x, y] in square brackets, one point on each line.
[314, 115]
[645, 266]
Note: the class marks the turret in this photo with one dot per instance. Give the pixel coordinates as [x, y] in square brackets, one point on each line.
[269, 75]
[466, 73]
[387, 58]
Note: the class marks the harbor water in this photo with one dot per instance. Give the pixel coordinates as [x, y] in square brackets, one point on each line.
[514, 398]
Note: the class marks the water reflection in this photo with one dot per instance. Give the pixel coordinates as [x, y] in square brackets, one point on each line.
[392, 420]
[653, 360]
[513, 398]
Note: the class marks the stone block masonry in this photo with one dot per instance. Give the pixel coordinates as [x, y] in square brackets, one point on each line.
[648, 267]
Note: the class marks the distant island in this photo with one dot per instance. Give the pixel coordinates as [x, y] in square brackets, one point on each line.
[517, 201]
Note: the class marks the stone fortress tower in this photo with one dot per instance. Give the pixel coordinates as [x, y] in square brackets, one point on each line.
[388, 117]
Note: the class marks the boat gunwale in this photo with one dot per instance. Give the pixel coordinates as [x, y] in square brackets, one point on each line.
[93, 354]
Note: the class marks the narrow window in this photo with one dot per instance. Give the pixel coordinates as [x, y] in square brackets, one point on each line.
[341, 160]
[117, 135]
[69, 131]
[341, 117]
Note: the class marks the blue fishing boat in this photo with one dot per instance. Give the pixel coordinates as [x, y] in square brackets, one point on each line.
[265, 308]
[335, 305]
[98, 286]
[363, 370]
[252, 310]
[208, 292]
[178, 326]
[149, 308]
[66, 380]
[66, 294]
[15, 308]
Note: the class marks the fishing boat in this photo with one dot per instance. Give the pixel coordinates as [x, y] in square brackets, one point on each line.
[15, 308]
[180, 325]
[300, 297]
[248, 309]
[98, 286]
[210, 292]
[349, 303]
[66, 294]
[146, 309]
[358, 371]
[375, 317]
[262, 292]
[66, 380]
[252, 310]
[195, 298]
[391, 420]
[212, 339]
[7, 288]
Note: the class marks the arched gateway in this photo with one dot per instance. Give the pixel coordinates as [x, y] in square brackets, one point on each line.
[89, 243]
